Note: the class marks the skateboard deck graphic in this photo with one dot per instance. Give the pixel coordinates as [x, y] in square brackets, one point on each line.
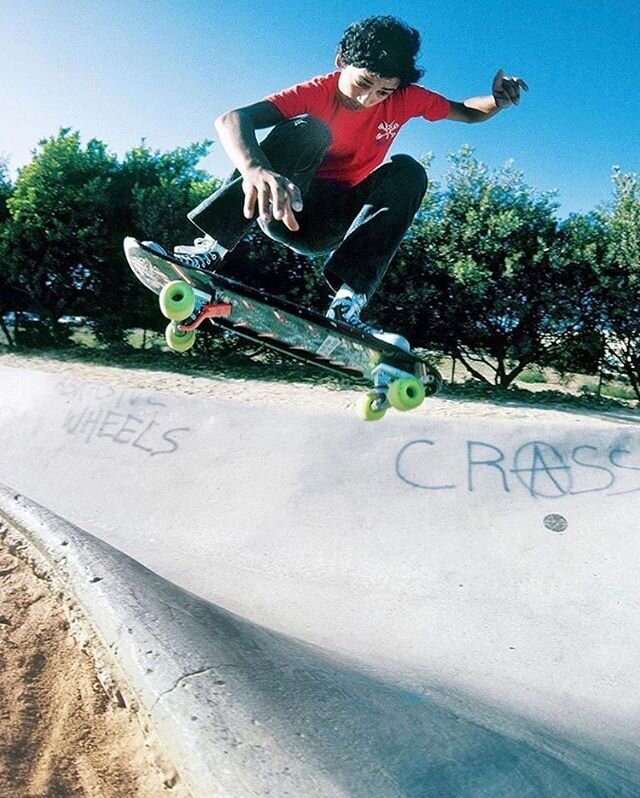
[395, 373]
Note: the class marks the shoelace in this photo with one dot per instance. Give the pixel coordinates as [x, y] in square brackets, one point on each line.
[341, 312]
[361, 325]
[344, 309]
[202, 260]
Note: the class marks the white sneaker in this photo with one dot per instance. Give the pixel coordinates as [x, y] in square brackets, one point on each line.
[346, 307]
[205, 254]
[199, 245]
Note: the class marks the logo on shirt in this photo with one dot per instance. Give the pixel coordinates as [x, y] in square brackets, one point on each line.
[387, 130]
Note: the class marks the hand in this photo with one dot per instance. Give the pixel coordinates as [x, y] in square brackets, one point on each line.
[506, 91]
[276, 196]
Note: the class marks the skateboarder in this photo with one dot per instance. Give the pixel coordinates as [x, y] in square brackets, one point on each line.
[319, 182]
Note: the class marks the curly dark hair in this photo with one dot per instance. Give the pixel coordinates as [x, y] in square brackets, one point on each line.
[385, 46]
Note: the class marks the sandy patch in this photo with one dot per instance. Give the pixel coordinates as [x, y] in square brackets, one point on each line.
[61, 735]
[308, 394]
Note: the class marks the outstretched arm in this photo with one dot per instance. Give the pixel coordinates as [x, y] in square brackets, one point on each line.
[275, 195]
[505, 91]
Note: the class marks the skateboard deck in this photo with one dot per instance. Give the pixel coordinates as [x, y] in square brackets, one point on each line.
[284, 326]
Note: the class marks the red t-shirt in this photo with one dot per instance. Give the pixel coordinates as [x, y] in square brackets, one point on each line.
[360, 139]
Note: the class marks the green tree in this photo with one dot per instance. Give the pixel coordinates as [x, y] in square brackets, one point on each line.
[619, 289]
[67, 215]
[161, 187]
[150, 196]
[8, 297]
[579, 251]
[478, 276]
[6, 188]
[56, 231]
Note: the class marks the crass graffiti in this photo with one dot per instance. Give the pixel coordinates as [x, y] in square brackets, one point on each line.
[542, 469]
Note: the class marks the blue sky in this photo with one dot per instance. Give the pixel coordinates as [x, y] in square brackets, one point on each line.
[164, 70]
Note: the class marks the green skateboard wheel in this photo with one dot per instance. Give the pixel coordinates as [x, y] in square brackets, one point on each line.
[177, 300]
[365, 408]
[179, 340]
[406, 393]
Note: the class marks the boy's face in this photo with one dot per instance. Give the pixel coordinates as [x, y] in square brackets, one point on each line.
[363, 89]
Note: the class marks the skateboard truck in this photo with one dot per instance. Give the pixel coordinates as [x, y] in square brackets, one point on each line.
[211, 310]
[384, 376]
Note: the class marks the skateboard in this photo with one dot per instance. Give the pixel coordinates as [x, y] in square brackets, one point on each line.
[396, 376]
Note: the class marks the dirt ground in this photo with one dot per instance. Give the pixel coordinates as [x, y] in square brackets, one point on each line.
[61, 735]
[292, 393]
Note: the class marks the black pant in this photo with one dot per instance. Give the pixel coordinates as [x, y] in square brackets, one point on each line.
[361, 227]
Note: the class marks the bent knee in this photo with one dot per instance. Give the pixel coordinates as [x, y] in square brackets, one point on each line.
[311, 127]
[411, 169]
